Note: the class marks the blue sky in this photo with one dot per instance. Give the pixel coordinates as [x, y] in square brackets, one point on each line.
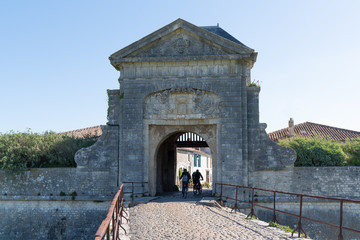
[54, 67]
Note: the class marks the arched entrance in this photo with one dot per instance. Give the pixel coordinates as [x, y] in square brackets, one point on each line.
[180, 151]
[163, 153]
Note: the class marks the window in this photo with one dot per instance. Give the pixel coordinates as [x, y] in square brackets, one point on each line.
[197, 160]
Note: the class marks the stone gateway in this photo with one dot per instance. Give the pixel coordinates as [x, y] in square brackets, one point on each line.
[179, 79]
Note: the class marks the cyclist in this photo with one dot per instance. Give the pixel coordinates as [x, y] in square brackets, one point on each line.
[185, 177]
[196, 179]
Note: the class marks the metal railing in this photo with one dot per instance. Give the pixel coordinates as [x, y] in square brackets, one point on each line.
[133, 193]
[110, 227]
[300, 216]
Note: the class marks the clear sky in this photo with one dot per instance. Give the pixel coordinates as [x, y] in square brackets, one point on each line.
[54, 67]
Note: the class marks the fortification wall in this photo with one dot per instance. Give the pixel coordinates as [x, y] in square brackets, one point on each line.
[51, 219]
[340, 182]
[53, 183]
[326, 211]
[54, 203]
[322, 181]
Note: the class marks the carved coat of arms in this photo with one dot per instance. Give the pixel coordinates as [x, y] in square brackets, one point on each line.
[181, 44]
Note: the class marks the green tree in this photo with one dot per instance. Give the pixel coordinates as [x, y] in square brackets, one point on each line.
[352, 150]
[19, 151]
[316, 151]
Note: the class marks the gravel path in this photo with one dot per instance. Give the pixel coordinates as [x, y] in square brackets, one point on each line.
[172, 217]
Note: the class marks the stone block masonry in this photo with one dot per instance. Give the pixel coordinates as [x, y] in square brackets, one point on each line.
[326, 211]
[322, 181]
[53, 220]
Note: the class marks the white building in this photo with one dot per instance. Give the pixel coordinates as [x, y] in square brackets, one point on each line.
[194, 159]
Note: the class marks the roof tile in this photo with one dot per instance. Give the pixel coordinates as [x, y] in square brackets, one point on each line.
[312, 130]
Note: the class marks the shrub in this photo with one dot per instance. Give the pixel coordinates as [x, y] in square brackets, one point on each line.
[316, 151]
[19, 151]
[352, 151]
[206, 185]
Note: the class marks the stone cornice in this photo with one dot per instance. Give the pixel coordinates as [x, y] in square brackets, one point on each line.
[249, 57]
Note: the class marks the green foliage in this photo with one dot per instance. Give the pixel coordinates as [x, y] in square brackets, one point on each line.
[20, 151]
[252, 217]
[352, 151]
[316, 151]
[206, 185]
[282, 227]
[73, 195]
[254, 83]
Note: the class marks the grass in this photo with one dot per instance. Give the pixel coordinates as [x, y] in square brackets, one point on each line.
[284, 228]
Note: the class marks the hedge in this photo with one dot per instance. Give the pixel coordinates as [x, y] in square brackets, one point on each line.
[321, 151]
[20, 151]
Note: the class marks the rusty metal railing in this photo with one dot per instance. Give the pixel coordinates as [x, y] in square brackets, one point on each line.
[110, 227]
[133, 193]
[300, 216]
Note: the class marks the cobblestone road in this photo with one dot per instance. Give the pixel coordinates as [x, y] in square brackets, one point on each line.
[172, 217]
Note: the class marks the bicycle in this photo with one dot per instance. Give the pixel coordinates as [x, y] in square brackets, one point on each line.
[197, 188]
[185, 187]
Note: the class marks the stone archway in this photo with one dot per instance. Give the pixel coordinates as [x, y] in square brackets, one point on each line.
[169, 113]
[162, 150]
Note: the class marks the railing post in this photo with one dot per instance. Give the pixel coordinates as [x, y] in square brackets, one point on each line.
[299, 227]
[274, 220]
[132, 191]
[340, 237]
[221, 191]
[252, 212]
[108, 232]
[236, 200]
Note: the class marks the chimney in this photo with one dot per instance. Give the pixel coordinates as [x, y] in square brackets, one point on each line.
[291, 128]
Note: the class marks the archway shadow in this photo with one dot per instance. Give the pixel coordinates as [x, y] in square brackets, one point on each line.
[177, 196]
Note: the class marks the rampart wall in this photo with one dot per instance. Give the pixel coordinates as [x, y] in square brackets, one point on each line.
[322, 181]
[54, 203]
[42, 204]
[342, 182]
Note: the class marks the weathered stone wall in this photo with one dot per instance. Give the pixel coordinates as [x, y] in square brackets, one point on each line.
[326, 211]
[54, 203]
[48, 183]
[342, 182]
[322, 181]
[51, 219]
[104, 154]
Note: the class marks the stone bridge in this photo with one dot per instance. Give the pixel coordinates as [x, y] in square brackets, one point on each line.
[170, 216]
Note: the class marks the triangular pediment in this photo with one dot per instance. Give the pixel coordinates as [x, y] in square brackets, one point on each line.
[179, 40]
[181, 43]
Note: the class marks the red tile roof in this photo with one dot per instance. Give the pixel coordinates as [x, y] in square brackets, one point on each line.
[79, 133]
[313, 129]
